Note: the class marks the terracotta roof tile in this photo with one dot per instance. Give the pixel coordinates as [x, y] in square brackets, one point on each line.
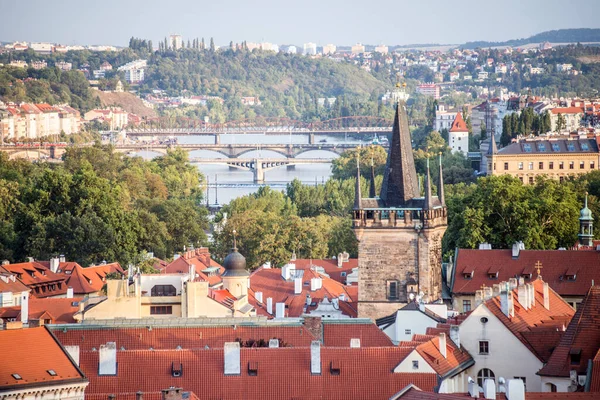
[455, 357]
[555, 264]
[330, 266]
[31, 353]
[40, 279]
[9, 282]
[583, 333]
[57, 310]
[459, 124]
[88, 280]
[339, 335]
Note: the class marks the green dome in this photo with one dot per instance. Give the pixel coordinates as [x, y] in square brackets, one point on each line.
[585, 214]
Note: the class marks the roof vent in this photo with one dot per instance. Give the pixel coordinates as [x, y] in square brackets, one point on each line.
[253, 368]
[176, 372]
[335, 368]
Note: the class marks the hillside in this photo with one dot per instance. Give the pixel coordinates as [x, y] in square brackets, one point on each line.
[581, 35]
[127, 102]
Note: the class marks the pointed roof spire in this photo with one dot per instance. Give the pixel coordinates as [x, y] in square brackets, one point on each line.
[400, 184]
[372, 193]
[357, 194]
[428, 204]
[493, 149]
[441, 196]
[459, 124]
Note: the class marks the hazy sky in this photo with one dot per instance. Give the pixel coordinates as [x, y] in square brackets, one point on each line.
[342, 22]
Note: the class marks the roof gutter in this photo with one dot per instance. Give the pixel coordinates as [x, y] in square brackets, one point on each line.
[460, 368]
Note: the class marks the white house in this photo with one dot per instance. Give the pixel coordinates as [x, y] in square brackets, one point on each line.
[409, 320]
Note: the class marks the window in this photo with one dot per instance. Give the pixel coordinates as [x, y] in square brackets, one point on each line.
[527, 147]
[581, 164]
[17, 377]
[584, 146]
[484, 347]
[520, 165]
[392, 290]
[561, 165]
[342, 274]
[561, 179]
[415, 364]
[570, 146]
[407, 331]
[530, 166]
[555, 147]
[551, 165]
[541, 146]
[51, 372]
[521, 179]
[484, 374]
[163, 290]
[494, 164]
[505, 166]
[592, 165]
[531, 180]
[484, 320]
[551, 387]
[466, 305]
[541, 165]
[253, 369]
[575, 356]
[524, 381]
[571, 164]
[161, 310]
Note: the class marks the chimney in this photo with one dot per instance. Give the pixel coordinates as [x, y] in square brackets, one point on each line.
[506, 302]
[69, 292]
[62, 258]
[512, 283]
[487, 293]
[495, 290]
[297, 285]
[355, 343]
[455, 335]
[315, 357]
[176, 256]
[473, 388]
[489, 389]
[74, 353]
[25, 307]
[516, 249]
[273, 343]
[232, 358]
[314, 326]
[108, 359]
[172, 393]
[515, 390]
[192, 272]
[280, 310]
[270, 305]
[54, 263]
[531, 296]
[523, 296]
[258, 296]
[442, 343]
[546, 291]
[340, 260]
[521, 281]
[139, 396]
[478, 297]
[316, 284]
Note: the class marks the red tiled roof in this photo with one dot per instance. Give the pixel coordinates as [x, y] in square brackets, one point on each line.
[270, 282]
[567, 110]
[201, 259]
[595, 383]
[555, 264]
[339, 335]
[57, 310]
[40, 279]
[583, 333]
[330, 266]
[222, 296]
[88, 280]
[532, 319]
[30, 353]
[13, 286]
[459, 124]
[429, 349]
[414, 393]
[364, 373]
[186, 337]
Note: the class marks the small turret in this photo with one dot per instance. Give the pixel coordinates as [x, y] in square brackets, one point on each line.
[428, 205]
[586, 225]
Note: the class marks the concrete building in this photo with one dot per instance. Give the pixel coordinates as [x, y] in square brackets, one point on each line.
[556, 158]
[443, 118]
[458, 135]
[383, 49]
[429, 89]
[571, 117]
[175, 41]
[310, 49]
[134, 70]
[64, 66]
[390, 228]
[329, 49]
[358, 49]
[42, 48]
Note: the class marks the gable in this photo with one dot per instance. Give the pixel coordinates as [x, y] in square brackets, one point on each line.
[406, 365]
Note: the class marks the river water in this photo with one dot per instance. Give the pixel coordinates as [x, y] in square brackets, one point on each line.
[277, 177]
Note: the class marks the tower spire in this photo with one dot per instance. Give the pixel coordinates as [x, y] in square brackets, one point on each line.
[441, 196]
[372, 193]
[400, 184]
[586, 225]
[428, 205]
[493, 149]
[357, 194]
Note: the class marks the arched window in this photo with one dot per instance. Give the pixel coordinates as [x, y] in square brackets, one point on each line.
[484, 374]
[551, 387]
[163, 290]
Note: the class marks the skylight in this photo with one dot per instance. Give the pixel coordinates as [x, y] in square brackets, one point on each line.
[541, 146]
[555, 147]
[584, 146]
[527, 147]
[17, 377]
[570, 146]
[51, 372]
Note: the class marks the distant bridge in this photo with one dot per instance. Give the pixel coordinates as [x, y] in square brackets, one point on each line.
[259, 165]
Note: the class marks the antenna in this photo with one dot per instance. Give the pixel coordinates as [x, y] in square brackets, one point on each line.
[216, 190]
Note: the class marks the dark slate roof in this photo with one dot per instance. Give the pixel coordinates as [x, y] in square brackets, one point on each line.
[400, 183]
[551, 146]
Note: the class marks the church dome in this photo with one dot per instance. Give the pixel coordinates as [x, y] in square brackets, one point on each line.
[585, 214]
[235, 264]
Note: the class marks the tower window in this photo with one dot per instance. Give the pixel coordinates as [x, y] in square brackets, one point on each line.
[392, 290]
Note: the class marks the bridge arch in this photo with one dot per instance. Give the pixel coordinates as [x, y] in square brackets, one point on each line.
[335, 152]
[266, 148]
[27, 153]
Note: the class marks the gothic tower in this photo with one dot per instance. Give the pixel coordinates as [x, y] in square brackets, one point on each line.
[399, 233]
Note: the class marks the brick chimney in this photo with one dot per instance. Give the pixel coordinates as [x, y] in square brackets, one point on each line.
[546, 292]
[314, 326]
[172, 394]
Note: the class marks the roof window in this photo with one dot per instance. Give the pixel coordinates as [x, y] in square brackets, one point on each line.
[541, 146]
[335, 368]
[570, 146]
[176, 372]
[253, 368]
[51, 372]
[527, 147]
[555, 147]
[584, 146]
[17, 377]
[468, 274]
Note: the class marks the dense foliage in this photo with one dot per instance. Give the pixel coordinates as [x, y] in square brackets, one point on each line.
[99, 205]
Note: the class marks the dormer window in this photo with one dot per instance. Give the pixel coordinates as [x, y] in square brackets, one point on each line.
[526, 276]
[335, 368]
[468, 275]
[176, 372]
[253, 368]
[493, 275]
[575, 356]
[571, 277]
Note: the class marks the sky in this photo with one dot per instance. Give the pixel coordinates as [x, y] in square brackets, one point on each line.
[341, 22]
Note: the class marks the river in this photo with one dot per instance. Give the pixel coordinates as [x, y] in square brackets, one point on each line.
[277, 177]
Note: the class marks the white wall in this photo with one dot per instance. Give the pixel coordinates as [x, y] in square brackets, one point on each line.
[459, 142]
[150, 280]
[562, 384]
[414, 320]
[406, 366]
[508, 356]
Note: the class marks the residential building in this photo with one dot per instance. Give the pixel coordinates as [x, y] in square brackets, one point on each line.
[443, 118]
[564, 67]
[64, 66]
[292, 50]
[48, 120]
[39, 64]
[134, 70]
[175, 41]
[42, 48]
[412, 319]
[556, 158]
[36, 366]
[329, 49]
[89, 281]
[12, 290]
[251, 101]
[571, 117]
[391, 270]
[568, 368]
[310, 49]
[383, 49]
[44, 311]
[458, 135]
[513, 329]
[40, 279]
[358, 49]
[18, 64]
[429, 89]
[536, 70]
[106, 66]
[114, 117]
